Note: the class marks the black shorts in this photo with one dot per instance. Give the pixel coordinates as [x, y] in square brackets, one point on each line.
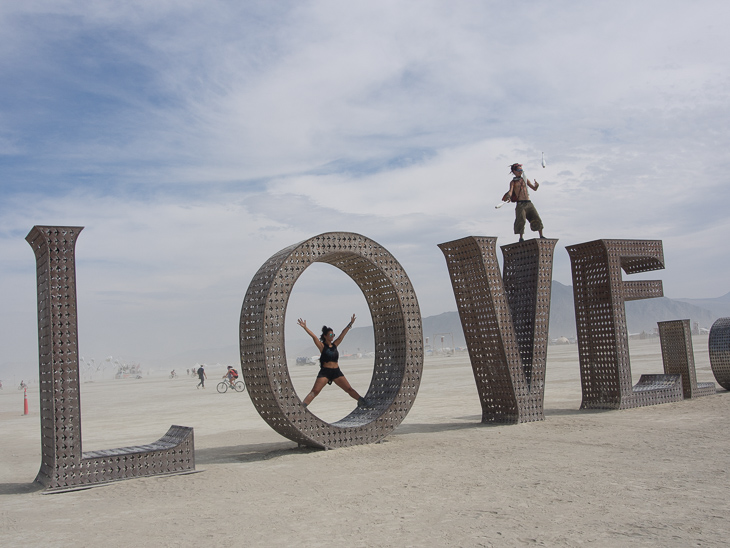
[330, 373]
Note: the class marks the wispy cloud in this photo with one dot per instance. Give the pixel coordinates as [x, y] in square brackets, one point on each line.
[195, 139]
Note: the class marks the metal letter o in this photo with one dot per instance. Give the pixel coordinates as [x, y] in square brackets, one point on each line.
[398, 341]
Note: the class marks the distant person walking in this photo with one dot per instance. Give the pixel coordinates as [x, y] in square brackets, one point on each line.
[525, 210]
[202, 376]
[329, 369]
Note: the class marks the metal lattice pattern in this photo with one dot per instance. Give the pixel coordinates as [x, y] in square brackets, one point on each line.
[505, 321]
[678, 356]
[719, 344]
[63, 465]
[398, 341]
[603, 344]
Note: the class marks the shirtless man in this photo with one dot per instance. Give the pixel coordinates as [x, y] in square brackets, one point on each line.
[525, 210]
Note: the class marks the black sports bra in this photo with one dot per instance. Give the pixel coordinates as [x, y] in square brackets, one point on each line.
[329, 354]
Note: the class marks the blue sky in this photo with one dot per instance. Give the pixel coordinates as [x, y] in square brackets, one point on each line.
[194, 140]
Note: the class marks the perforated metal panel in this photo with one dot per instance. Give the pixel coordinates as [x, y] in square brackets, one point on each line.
[603, 344]
[63, 465]
[675, 337]
[719, 345]
[398, 341]
[505, 321]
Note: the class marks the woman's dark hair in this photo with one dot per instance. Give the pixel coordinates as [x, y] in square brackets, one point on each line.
[325, 330]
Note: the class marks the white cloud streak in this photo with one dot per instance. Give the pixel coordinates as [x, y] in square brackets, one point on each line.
[196, 139]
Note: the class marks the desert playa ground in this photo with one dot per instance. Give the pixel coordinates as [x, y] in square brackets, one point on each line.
[653, 476]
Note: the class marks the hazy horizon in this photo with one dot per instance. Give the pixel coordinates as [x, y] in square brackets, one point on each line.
[194, 141]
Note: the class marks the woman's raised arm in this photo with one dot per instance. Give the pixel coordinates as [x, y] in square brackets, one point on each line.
[344, 331]
[303, 323]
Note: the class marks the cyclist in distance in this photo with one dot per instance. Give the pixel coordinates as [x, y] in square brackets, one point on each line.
[231, 375]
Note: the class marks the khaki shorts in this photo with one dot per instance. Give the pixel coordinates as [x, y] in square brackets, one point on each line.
[526, 211]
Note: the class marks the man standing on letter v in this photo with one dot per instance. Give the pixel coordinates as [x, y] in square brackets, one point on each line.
[525, 210]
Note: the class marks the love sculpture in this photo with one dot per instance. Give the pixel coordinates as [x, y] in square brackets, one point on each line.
[719, 343]
[396, 325]
[675, 338]
[63, 464]
[505, 320]
[599, 294]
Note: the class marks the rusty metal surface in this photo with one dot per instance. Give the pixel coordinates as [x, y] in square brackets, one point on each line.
[675, 338]
[505, 321]
[63, 464]
[719, 346]
[599, 293]
[398, 341]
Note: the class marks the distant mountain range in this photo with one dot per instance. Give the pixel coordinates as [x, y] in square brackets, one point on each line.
[641, 315]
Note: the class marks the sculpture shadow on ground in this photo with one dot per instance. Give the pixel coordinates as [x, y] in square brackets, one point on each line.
[250, 452]
[20, 488]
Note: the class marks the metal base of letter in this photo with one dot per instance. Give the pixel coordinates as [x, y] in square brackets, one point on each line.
[603, 343]
[505, 322]
[719, 343]
[398, 341]
[675, 337]
[63, 465]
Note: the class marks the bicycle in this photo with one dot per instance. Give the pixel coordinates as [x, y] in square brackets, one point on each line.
[223, 386]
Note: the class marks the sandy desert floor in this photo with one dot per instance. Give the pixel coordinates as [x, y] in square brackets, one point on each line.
[653, 476]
